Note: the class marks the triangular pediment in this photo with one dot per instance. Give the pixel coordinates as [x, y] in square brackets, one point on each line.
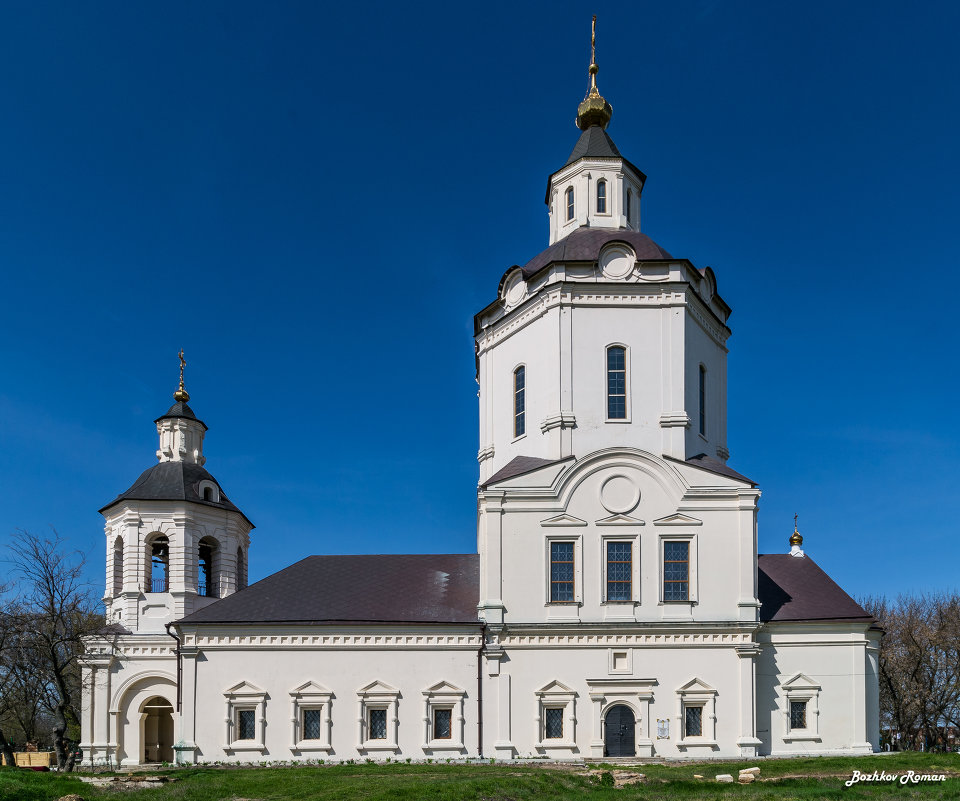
[694, 686]
[620, 520]
[444, 688]
[800, 682]
[244, 688]
[310, 688]
[677, 520]
[563, 520]
[555, 687]
[378, 688]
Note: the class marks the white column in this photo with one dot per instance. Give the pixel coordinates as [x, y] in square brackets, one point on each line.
[596, 744]
[747, 741]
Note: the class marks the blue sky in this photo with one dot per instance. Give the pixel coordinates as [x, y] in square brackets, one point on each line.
[313, 201]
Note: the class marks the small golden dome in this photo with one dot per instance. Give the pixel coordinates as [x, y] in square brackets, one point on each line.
[795, 538]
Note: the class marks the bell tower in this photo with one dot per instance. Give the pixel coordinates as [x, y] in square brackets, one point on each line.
[603, 340]
[175, 542]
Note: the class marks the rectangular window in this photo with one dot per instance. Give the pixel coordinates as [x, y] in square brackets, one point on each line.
[798, 715]
[378, 724]
[676, 571]
[561, 572]
[519, 401]
[616, 383]
[246, 724]
[693, 721]
[619, 571]
[442, 724]
[703, 400]
[553, 723]
[312, 721]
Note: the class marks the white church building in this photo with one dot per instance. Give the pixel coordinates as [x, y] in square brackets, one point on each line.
[616, 605]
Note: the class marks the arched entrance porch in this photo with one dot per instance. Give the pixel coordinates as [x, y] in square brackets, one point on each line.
[156, 726]
[144, 719]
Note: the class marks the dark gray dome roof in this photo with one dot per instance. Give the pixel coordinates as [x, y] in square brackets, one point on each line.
[173, 481]
[180, 409]
[585, 244]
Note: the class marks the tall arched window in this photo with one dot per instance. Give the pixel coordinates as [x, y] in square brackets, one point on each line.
[159, 565]
[206, 569]
[703, 400]
[629, 204]
[241, 570]
[519, 401]
[616, 383]
[118, 566]
[601, 197]
[570, 203]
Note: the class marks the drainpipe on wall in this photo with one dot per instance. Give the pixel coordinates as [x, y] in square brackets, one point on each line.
[483, 640]
[177, 652]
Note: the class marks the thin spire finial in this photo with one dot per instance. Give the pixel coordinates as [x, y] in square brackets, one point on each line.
[594, 110]
[594, 69]
[181, 394]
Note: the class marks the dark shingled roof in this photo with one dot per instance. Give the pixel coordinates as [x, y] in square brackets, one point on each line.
[519, 465]
[585, 244]
[595, 143]
[402, 588]
[793, 588]
[712, 465]
[173, 481]
[180, 409]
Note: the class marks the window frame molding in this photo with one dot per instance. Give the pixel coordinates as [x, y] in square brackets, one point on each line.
[634, 540]
[310, 696]
[577, 540]
[570, 205]
[444, 695]
[702, 402]
[556, 695]
[801, 688]
[513, 403]
[692, 578]
[244, 696]
[207, 484]
[627, 418]
[606, 198]
[377, 695]
[697, 692]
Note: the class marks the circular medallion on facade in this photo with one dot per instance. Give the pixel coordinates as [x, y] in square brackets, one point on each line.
[617, 261]
[516, 289]
[619, 494]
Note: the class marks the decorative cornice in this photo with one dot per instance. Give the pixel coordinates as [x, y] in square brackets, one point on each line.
[678, 419]
[336, 642]
[485, 453]
[561, 420]
[725, 639]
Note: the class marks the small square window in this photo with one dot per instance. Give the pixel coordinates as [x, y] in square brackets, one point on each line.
[442, 724]
[246, 724]
[378, 724]
[798, 714]
[553, 723]
[693, 721]
[312, 721]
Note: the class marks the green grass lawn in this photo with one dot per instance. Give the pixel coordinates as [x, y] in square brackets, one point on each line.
[813, 778]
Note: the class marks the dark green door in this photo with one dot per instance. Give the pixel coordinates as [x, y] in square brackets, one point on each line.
[618, 732]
